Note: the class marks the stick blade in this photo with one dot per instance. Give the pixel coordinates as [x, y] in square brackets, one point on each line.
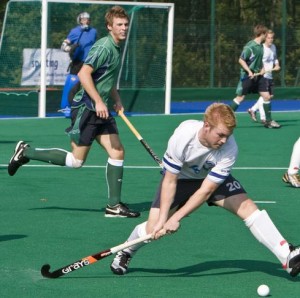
[45, 271]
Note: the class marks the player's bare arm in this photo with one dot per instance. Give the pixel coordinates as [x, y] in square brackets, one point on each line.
[118, 106]
[195, 201]
[86, 80]
[245, 66]
[276, 67]
[168, 191]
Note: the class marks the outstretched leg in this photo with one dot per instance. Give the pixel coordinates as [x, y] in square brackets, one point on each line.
[264, 230]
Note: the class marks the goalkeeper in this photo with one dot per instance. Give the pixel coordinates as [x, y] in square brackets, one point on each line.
[78, 44]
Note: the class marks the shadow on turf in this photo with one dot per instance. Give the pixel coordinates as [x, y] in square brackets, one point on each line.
[11, 237]
[230, 267]
[8, 142]
[142, 207]
[257, 124]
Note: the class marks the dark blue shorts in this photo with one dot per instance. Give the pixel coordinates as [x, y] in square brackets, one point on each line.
[187, 187]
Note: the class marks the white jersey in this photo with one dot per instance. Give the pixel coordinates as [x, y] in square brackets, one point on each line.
[269, 59]
[188, 158]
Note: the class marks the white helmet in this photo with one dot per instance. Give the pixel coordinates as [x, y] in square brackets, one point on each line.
[83, 15]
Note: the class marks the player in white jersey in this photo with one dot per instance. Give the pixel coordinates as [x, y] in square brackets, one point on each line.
[198, 163]
[271, 63]
[189, 159]
[292, 175]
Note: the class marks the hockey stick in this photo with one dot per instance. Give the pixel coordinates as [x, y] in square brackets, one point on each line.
[140, 138]
[256, 74]
[267, 71]
[89, 259]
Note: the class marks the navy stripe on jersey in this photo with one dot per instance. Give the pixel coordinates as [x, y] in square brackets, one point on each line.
[217, 175]
[175, 167]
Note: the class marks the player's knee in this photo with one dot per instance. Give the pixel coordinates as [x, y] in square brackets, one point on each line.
[73, 162]
[267, 98]
[77, 163]
[118, 152]
[247, 207]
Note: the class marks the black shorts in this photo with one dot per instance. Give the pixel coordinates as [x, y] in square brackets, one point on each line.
[187, 187]
[255, 85]
[85, 126]
[270, 86]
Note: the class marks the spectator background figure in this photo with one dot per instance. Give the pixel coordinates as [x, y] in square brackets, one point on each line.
[78, 43]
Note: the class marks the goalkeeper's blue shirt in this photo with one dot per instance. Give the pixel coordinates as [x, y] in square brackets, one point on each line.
[85, 37]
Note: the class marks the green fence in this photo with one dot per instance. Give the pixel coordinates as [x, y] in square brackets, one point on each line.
[208, 40]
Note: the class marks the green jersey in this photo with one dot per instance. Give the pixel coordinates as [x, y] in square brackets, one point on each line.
[252, 54]
[104, 58]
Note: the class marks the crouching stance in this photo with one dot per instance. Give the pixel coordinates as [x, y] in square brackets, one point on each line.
[198, 162]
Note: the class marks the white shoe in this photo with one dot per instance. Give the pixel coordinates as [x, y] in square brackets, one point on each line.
[294, 179]
[252, 115]
[271, 124]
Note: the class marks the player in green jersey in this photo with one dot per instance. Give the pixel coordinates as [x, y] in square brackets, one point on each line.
[91, 119]
[251, 76]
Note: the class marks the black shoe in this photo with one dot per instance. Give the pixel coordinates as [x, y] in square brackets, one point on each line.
[17, 159]
[120, 263]
[293, 261]
[120, 210]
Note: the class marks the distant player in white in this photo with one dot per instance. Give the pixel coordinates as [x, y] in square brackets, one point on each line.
[292, 175]
[271, 63]
[198, 162]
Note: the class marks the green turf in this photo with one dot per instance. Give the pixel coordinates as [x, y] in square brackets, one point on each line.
[54, 214]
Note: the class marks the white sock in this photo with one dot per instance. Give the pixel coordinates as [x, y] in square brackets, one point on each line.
[264, 230]
[236, 101]
[139, 231]
[255, 107]
[261, 108]
[115, 162]
[295, 159]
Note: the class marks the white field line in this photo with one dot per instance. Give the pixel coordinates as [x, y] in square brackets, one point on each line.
[144, 167]
[157, 167]
[265, 202]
